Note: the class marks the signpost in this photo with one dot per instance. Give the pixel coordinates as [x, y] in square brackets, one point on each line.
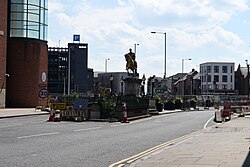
[43, 93]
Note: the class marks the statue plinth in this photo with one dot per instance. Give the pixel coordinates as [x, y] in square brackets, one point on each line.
[132, 86]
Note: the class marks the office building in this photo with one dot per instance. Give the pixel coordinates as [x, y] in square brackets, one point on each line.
[81, 77]
[217, 78]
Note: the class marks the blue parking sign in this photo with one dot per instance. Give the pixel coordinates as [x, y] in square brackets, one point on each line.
[76, 38]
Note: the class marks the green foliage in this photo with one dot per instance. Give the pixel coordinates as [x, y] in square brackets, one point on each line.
[169, 104]
[178, 103]
[192, 102]
[157, 99]
[107, 106]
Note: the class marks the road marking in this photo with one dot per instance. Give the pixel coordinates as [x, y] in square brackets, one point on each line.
[78, 130]
[205, 126]
[151, 150]
[38, 135]
[10, 126]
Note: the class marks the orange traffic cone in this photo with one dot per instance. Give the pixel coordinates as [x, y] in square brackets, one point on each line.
[125, 115]
[52, 116]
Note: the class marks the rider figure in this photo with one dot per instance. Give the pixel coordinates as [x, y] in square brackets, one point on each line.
[132, 66]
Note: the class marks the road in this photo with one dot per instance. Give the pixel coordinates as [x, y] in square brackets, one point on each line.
[32, 141]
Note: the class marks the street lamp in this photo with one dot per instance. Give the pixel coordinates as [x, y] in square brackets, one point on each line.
[247, 78]
[70, 47]
[165, 56]
[182, 70]
[111, 78]
[122, 85]
[143, 84]
[136, 44]
[182, 64]
[153, 84]
[106, 64]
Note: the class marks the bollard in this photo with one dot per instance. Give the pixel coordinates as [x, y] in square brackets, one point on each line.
[217, 117]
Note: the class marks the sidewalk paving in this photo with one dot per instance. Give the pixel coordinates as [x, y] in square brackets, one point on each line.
[224, 145]
[20, 112]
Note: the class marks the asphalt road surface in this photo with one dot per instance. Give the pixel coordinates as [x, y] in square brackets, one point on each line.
[32, 141]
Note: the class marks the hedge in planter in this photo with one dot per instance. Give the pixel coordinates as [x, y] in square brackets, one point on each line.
[169, 105]
[178, 103]
[158, 104]
[192, 103]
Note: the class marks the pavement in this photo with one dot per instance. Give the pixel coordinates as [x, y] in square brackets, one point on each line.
[226, 144]
[20, 112]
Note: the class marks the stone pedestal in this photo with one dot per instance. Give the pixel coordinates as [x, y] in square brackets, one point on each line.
[132, 86]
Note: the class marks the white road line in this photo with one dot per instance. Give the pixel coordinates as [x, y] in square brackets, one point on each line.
[205, 126]
[9, 126]
[78, 130]
[38, 135]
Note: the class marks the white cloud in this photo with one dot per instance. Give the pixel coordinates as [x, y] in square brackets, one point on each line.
[194, 28]
[214, 36]
[55, 6]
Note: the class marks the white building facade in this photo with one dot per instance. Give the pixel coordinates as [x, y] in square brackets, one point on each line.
[217, 78]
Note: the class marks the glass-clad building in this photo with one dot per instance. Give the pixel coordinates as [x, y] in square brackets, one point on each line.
[27, 53]
[28, 19]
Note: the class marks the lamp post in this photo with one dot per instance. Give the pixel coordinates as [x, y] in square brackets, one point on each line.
[122, 85]
[153, 84]
[136, 44]
[182, 70]
[165, 56]
[248, 93]
[182, 64]
[111, 78]
[106, 64]
[143, 84]
[70, 47]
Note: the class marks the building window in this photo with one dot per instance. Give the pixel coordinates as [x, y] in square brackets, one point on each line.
[209, 69]
[28, 19]
[231, 78]
[216, 78]
[224, 78]
[216, 86]
[231, 69]
[224, 86]
[209, 78]
[216, 69]
[224, 69]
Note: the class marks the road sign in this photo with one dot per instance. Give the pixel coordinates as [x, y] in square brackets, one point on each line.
[58, 106]
[76, 38]
[43, 93]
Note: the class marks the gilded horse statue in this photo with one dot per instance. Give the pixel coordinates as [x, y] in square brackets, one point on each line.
[131, 63]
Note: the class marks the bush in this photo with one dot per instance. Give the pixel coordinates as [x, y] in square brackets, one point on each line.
[178, 103]
[106, 107]
[192, 103]
[169, 105]
[158, 103]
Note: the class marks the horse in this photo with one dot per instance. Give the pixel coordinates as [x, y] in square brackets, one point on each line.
[131, 64]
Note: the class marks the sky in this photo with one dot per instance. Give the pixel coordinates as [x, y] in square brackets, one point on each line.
[200, 30]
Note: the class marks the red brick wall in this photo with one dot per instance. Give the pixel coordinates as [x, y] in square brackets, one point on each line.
[3, 44]
[27, 59]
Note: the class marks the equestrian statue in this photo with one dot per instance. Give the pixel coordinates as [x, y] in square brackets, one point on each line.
[131, 62]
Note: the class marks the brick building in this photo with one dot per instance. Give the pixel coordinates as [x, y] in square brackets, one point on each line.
[3, 53]
[23, 53]
[241, 83]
